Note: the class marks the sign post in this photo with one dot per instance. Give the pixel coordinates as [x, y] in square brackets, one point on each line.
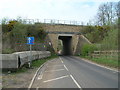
[30, 41]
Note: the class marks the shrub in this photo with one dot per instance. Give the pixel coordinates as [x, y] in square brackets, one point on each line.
[18, 33]
[7, 51]
[37, 31]
[95, 33]
[87, 49]
[88, 29]
[11, 25]
[110, 42]
[5, 28]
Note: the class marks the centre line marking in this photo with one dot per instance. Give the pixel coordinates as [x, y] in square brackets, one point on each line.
[55, 70]
[37, 88]
[66, 68]
[56, 79]
[75, 81]
[61, 60]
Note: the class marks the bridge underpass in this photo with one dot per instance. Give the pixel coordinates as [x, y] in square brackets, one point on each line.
[70, 37]
[67, 45]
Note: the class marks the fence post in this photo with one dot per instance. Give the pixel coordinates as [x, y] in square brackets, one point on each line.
[58, 21]
[44, 20]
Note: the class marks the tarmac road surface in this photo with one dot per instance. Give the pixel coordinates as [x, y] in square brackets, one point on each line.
[72, 72]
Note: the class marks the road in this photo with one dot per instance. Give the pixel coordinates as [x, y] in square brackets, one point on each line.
[73, 72]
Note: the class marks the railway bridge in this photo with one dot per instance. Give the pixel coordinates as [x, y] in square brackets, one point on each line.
[66, 37]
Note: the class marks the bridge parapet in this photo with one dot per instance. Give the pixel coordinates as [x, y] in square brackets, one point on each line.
[46, 21]
[18, 59]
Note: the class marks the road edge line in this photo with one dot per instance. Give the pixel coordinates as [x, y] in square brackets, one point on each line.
[30, 85]
[34, 76]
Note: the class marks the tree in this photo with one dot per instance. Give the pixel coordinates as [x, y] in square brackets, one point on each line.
[107, 13]
[117, 8]
[101, 14]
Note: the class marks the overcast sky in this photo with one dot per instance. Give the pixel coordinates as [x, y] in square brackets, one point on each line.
[79, 10]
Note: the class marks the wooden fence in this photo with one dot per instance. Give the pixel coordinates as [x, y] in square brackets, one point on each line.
[111, 54]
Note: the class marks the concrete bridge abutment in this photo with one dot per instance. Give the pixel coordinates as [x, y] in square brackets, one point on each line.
[70, 36]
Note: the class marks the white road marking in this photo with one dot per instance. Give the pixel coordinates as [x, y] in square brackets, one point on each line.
[56, 79]
[100, 65]
[66, 68]
[55, 70]
[40, 76]
[34, 77]
[31, 83]
[55, 65]
[61, 60]
[75, 81]
[37, 88]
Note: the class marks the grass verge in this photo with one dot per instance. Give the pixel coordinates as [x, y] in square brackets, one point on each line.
[38, 63]
[103, 61]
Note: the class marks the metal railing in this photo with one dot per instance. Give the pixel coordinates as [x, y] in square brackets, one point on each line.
[45, 21]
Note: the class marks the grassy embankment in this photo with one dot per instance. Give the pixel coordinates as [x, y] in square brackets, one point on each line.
[103, 61]
[15, 35]
[101, 41]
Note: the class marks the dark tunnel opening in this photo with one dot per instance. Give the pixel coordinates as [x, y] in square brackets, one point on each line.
[66, 41]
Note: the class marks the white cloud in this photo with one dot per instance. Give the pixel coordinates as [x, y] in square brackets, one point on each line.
[81, 10]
